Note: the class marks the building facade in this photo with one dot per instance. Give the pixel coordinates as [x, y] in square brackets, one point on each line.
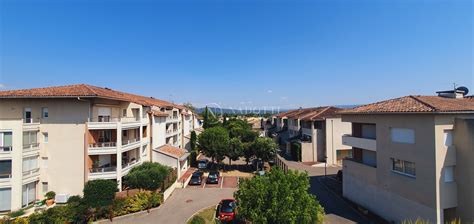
[410, 158]
[58, 138]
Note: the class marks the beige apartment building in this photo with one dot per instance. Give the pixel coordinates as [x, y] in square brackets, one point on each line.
[318, 130]
[412, 157]
[58, 138]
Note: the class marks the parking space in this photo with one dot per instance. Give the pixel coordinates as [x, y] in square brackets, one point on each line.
[230, 182]
[219, 185]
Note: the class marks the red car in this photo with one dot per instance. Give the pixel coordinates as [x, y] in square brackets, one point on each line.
[226, 210]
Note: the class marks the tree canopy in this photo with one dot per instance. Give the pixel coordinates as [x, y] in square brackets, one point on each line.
[236, 149]
[147, 176]
[214, 143]
[278, 198]
[210, 119]
[99, 193]
[264, 148]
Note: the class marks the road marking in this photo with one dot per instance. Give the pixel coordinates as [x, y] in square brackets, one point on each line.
[222, 182]
[204, 185]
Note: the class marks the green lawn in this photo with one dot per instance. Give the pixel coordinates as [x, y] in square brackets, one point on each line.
[207, 215]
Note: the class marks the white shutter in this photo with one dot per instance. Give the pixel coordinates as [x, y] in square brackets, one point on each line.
[6, 199]
[31, 192]
[104, 111]
[403, 135]
[24, 195]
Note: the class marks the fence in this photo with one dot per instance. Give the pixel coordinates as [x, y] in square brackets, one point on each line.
[280, 162]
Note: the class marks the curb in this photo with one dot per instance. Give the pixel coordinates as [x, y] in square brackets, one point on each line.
[200, 210]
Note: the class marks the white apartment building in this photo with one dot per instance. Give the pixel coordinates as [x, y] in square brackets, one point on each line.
[58, 138]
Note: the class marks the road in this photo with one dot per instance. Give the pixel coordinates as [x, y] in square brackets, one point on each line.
[180, 206]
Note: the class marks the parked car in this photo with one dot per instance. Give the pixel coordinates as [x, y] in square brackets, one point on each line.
[196, 178]
[227, 210]
[213, 177]
[203, 163]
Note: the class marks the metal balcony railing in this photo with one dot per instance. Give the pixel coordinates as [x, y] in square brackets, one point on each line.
[30, 146]
[102, 144]
[5, 175]
[104, 119]
[31, 120]
[6, 148]
[129, 141]
[102, 169]
[30, 172]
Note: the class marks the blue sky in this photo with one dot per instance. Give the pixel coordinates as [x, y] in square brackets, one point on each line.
[245, 53]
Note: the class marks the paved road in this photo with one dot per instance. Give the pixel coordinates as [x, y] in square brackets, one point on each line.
[180, 206]
[337, 210]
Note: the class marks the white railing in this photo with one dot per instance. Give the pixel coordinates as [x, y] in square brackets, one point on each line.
[103, 169]
[102, 145]
[131, 163]
[130, 119]
[358, 142]
[6, 148]
[104, 119]
[30, 172]
[31, 146]
[129, 141]
[31, 120]
[5, 176]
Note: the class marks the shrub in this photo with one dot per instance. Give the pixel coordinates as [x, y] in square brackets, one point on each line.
[99, 193]
[296, 151]
[197, 220]
[50, 195]
[74, 200]
[148, 176]
[15, 214]
[138, 202]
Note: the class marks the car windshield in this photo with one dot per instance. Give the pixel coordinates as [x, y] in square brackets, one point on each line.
[212, 175]
[228, 206]
[196, 174]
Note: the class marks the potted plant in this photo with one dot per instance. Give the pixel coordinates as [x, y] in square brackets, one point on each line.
[50, 198]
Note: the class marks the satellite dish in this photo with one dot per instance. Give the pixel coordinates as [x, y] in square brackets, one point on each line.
[463, 89]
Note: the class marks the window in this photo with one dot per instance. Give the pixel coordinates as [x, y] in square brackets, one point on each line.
[45, 136]
[368, 131]
[6, 196]
[449, 174]
[44, 187]
[44, 112]
[5, 169]
[30, 163]
[27, 115]
[45, 162]
[448, 138]
[318, 125]
[5, 141]
[29, 193]
[29, 138]
[402, 135]
[404, 167]
[124, 112]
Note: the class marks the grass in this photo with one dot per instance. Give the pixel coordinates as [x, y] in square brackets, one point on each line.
[208, 215]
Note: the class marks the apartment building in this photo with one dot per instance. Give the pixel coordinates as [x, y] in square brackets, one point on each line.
[318, 131]
[58, 138]
[412, 157]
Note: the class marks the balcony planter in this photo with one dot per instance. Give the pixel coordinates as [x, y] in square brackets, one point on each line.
[49, 202]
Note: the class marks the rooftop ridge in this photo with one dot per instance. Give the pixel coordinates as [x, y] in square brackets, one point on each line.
[423, 102]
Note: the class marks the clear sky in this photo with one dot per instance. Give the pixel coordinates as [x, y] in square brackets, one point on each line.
[241, 53]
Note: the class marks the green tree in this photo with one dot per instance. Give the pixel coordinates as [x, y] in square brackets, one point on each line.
[235, 150]
[248, 152]
[193, 140]
[278, 198]
[209, 120]
[214, 142]
[264, 148]
[147, 176]
[99, 193]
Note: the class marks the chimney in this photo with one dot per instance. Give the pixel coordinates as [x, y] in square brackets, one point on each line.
[456, 93]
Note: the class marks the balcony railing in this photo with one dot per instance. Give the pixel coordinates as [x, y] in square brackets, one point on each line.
[6, 148]
[102, 169]
[103, 145]
[104, 119]
[5, 175]
[30, 172]
[128, 164]
[171, 131]
[130, 119]
[358, 142]
[31, 120]
[30, 146]
[129, 141]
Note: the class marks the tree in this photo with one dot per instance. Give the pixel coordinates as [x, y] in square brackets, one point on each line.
[264, 148]
[193, 140]
[99, 193]
[235, 150]
[278, 198]
[194, 151]
[248, 152]
[214, 143]
[147, 176]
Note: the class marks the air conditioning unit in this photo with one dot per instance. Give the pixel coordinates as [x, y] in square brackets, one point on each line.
[61, 198]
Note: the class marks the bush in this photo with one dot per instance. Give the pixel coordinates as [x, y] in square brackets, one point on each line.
[296, 151]
[99, 193]
[50, 195]
[15, 214]
[138, 202]
[197, 220]
[148, 176]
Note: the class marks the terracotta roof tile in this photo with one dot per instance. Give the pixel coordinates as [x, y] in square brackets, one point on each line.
[311, 114]
[416, 104]
[83, 90]
[172, 151]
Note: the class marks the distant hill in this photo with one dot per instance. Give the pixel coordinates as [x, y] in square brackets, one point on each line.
[216, 110]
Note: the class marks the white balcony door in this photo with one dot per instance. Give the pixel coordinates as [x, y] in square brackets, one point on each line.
[28, 193]
[6, 196]
[30, 163]
[27, 115]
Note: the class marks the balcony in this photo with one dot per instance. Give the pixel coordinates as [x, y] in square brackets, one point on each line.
[103, 173]
[32, 147]
[362, 143]
[171, 132]
[31, 174]
[31, 123]
[101, 148]
[5, 177]
[102, 122]
[130, 144]
[128, 122]
[6, 149]
[172, 119]
[127, 166]
[360, 171]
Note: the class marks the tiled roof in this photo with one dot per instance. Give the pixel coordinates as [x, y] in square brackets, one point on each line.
[158, 113]
[416, 104]
[311, 114]
[172, 151]
[86, 91]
